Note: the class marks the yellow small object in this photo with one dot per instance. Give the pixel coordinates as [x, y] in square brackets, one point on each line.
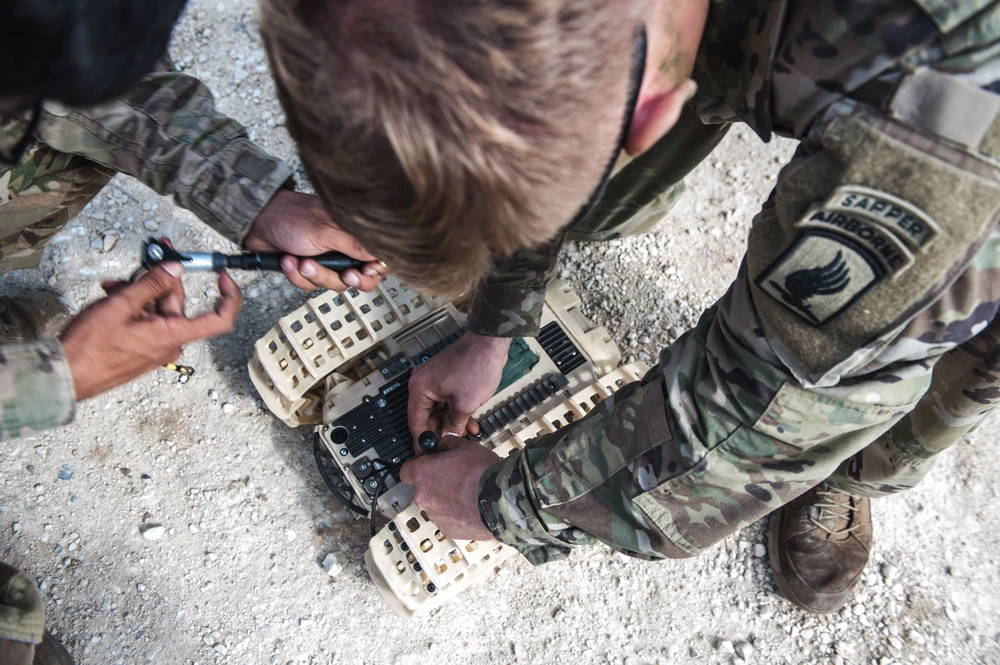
[185, 371]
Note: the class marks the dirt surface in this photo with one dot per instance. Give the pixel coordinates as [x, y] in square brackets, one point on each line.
[236, 575]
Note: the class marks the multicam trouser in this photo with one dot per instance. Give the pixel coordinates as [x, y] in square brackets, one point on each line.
[965, 387]
[39, 196]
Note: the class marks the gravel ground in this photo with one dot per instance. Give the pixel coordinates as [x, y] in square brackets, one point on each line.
[233, 575]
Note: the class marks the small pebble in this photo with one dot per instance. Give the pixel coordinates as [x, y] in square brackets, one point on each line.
[743, 650]
[759, 551]
[65, 472]
[152, 531]
[15, 527]
[228, 408]
[213, 394]
[725, 646]
[333, 563]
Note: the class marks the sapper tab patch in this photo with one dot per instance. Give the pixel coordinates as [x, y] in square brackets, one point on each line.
[821, 275]
[908, 222]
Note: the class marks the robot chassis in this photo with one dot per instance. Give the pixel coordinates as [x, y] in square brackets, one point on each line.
[341, 363]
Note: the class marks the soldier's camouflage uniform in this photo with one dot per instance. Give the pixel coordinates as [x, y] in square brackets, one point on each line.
[166, 133]
[860, 337]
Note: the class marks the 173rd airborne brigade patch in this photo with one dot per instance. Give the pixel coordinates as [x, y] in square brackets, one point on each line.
[855, 240]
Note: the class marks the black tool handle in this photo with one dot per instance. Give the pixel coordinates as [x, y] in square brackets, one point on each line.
[336, 261]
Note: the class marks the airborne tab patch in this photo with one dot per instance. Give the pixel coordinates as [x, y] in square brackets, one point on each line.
[820, 276]
[908, 222]
[883, 245]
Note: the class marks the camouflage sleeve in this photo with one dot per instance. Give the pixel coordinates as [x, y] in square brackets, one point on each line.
[819, 347]
[509, 302]
[36, 388]
[167, 133]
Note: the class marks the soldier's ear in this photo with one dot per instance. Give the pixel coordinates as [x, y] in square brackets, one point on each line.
[656, 111]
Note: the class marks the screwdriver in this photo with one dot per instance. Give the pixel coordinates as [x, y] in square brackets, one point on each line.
[155, 252]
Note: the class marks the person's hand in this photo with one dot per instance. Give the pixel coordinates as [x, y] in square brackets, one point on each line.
[446, 486]
[297, 223]
[461, 378]
[139, 327]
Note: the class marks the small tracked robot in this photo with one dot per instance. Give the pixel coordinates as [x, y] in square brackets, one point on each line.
[342, 364]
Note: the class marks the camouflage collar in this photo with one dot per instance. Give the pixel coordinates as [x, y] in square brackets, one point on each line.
[733, 69]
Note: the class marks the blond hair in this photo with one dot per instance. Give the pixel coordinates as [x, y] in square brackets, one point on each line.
[446, 134]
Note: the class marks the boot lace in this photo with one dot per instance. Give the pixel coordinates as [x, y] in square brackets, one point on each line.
[830, 511]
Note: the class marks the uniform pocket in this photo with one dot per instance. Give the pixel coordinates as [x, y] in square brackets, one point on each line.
[797, 442]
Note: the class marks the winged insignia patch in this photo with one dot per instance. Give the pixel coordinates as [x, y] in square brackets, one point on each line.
[821, 276]
[803, 284]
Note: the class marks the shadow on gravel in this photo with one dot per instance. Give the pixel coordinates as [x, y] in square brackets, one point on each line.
[331, 526]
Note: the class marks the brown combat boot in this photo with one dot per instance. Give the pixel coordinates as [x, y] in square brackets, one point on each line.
[21, 602]
[818, 546]
[32, 316]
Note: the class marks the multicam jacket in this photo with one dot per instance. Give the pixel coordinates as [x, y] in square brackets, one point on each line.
[165, 132]
[860, 337]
